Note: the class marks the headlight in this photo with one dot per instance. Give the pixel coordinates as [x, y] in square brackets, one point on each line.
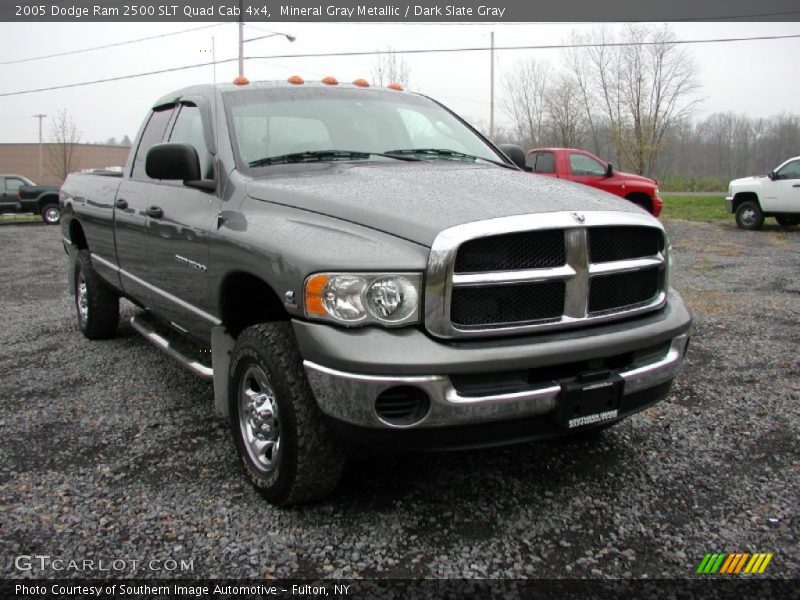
[388, 299]
[656, 192]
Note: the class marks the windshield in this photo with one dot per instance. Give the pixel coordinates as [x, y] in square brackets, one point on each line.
[272, 123]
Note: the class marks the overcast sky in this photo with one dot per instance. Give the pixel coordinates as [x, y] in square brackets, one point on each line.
[756, 77]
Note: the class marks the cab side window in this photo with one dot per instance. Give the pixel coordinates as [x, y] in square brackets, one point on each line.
[545, 163]
[585, 165]
[13, 184]
[188, 129]
[790, 171]
[153, 134]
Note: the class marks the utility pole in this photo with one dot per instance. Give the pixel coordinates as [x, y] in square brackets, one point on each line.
[40, 117]
[241, 41]
[491, 90]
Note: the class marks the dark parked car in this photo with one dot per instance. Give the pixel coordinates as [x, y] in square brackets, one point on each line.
[19, 194]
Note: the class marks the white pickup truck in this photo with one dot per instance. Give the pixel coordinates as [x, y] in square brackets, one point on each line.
[776, 194]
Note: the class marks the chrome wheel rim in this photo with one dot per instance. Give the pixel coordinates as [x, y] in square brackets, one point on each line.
[259, 421]
[748, 216]
[51, 214]
[82, 300]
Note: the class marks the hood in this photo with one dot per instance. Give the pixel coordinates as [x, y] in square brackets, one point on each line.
[417, 200]
[632, 177]
[748, 180]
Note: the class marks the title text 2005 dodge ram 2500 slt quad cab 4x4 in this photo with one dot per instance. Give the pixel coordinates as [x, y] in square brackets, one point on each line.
[364, 265]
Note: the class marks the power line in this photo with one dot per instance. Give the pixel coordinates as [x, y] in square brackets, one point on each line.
[114, 45]
[411, 51]
[537, 47]
[119, 78]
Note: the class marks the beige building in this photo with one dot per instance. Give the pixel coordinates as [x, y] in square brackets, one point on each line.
[23, 159]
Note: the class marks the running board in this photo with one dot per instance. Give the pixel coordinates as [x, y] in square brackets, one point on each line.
[140, 324]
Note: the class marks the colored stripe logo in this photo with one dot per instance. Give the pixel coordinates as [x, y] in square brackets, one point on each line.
[732, 564]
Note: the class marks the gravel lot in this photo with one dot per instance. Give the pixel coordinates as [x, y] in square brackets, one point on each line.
[111, 450]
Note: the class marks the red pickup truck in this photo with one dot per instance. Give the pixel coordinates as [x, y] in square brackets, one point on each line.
[584, 167]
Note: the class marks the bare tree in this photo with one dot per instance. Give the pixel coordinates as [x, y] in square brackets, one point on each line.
[567, 122]
[64, 137]
[391, 68]
[644, 87]
[525, 101]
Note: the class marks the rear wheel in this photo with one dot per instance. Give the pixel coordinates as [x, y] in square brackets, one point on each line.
[96, 305]
[284, 446]
[749, 215]
[786, 221]
[51, 214]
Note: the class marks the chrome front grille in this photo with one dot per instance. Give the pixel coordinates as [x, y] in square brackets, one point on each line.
[548, 271]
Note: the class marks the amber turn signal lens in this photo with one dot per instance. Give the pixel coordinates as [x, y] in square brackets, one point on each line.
[313, 294]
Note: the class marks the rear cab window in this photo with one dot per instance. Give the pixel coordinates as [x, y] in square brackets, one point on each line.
[541, 162]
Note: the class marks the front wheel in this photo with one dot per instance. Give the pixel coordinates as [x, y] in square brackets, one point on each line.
[749, 216]
[96, 304]
[51, 214]
[786, 222]
[284, 446]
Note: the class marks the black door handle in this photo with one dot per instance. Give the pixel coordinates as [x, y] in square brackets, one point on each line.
[154, 212]
[121, 204]
[796, 185]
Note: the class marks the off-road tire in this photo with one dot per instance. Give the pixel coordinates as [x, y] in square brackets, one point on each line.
[310, 461]
[102, 303]
[749, 215]
[786, 221]
[51, 214]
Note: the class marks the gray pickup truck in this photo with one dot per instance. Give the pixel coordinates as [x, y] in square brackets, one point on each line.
[349, 263]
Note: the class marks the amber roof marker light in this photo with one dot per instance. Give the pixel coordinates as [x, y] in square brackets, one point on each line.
[295, 80]
[395, 86]
[330, 80]
[241, 80]
[361, 83]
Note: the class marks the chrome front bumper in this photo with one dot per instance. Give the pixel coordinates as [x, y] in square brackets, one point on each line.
[350, 397]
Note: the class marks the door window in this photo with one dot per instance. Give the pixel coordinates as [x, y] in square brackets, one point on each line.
[789, 171]
[153, 134]
[13, 185]
[585, 165]
[188, 129]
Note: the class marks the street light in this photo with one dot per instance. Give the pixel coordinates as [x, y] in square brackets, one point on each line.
[243, 41]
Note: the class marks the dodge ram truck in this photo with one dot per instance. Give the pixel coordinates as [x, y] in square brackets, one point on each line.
[353, 265]
[574, 164]
[776, 194]
[19, 194]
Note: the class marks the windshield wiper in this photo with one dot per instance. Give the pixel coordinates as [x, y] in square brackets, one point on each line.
[320, 155]
[442, 153]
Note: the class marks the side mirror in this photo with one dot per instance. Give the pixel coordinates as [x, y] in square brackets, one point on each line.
[516, 154]
[609, 170]
[771, 175]
[172, 161]
[177, 161]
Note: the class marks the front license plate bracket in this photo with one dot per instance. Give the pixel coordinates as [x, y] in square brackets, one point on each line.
[589, 399]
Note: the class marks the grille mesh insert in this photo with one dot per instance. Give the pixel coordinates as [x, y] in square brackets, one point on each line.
[511, 251]
[623, 243]
[520, 303]
[610, 293]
